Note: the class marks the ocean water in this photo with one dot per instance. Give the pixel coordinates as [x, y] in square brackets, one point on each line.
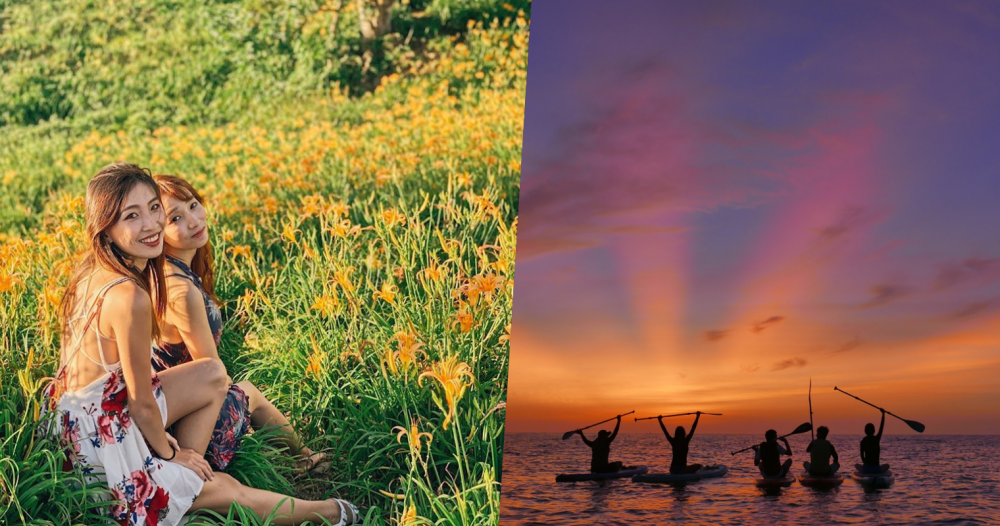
[939, 480]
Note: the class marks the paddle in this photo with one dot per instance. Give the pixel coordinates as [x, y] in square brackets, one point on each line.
[806, 426]
[811, 434]
[678, 414]
[568, 434]
[914, 425]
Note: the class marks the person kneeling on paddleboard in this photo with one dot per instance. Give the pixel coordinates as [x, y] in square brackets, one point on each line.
[870, 449]
[601, 449]
[679, 443]
[768, 456]
[820, 451]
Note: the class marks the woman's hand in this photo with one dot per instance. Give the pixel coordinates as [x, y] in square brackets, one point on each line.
[173, 442]
[192, 460]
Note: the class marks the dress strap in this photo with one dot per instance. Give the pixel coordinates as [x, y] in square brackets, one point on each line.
[95, 310]
[182, 276]
[186, 271]
[97, 315]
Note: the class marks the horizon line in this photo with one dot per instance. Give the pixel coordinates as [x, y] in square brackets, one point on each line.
[831, 434]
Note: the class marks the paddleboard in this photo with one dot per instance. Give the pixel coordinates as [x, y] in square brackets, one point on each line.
[703, 473]
[874, 480]
[625, 472]
[762, 482]
[821, 482]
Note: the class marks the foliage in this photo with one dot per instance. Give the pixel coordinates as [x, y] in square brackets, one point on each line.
[150, 63]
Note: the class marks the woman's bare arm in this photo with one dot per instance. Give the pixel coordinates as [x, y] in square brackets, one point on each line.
[128, 310]
[186, 312]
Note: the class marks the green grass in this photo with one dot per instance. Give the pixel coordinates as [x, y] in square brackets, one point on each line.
[343, 225]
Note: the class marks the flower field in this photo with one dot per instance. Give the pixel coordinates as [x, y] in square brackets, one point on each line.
[365, 253]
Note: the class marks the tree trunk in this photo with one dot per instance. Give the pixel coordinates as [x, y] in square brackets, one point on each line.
[373, 28]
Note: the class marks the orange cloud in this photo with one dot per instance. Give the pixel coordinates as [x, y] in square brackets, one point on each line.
[758, 327]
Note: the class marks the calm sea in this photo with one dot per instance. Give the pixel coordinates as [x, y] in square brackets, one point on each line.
[939, 480]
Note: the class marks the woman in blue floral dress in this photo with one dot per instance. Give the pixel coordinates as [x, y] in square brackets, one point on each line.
[234, 418]
[193, 325]
[110, 410]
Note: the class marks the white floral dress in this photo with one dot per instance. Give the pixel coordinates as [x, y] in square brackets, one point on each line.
[94, 424]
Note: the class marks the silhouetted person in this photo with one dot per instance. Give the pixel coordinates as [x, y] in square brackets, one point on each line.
[679, 443]
[601, 448]
[768, 456]
[870, 449]
[820, 451]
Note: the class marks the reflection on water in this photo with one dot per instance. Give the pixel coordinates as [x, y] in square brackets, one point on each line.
[939, 480]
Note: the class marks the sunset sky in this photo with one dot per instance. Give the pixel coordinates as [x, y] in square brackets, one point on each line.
[720, 200]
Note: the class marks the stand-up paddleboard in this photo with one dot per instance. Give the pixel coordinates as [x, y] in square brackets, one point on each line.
[703, 473]
[784, 482]
[821, 482]
[874, 480]
[622, 473]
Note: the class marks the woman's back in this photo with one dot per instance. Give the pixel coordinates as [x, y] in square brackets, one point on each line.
[89, 347]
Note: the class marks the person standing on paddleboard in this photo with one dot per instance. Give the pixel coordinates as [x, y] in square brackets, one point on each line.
[820, 451]
[601, 449]
[679, 444]
[870, 449]
[768, 456]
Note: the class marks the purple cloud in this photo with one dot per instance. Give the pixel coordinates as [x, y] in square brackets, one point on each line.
[970, 270]
[640, 144]
[974, 308]
[884, 294]
[851, 218]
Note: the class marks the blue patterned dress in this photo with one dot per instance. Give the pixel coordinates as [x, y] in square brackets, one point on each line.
[234, 419]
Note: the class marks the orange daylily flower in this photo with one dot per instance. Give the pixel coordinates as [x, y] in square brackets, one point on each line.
[454, 377]
[393, 217]
[463, 318]
[388, 293]
[327, 305]
[413, 437]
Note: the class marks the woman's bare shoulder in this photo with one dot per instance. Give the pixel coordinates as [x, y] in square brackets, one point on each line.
[126, 298]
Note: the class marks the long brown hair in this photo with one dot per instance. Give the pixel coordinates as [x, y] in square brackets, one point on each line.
[106, 193]
[202, 264]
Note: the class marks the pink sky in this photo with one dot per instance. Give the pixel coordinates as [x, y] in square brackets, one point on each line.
[718, 205]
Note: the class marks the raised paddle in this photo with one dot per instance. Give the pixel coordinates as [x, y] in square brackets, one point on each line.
[811, 434]
[806, 426]
[568, 434]
[914, 425]
[678, 414]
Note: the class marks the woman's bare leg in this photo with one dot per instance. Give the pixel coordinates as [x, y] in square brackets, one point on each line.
[195, 393]
[263, 414]
[218, 494]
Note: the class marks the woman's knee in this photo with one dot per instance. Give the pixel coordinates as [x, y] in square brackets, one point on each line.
[224, 481]
[219, 493]
[253, 394]
[249, 388]
[213, 373]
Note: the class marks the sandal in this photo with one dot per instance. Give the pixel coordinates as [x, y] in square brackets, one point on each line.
[344, 507]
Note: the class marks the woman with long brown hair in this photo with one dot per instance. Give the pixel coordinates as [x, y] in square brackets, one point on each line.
[192, 326]
[111, 409]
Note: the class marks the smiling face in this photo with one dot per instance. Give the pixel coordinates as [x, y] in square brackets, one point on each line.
[138, 232]
[186, 227]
